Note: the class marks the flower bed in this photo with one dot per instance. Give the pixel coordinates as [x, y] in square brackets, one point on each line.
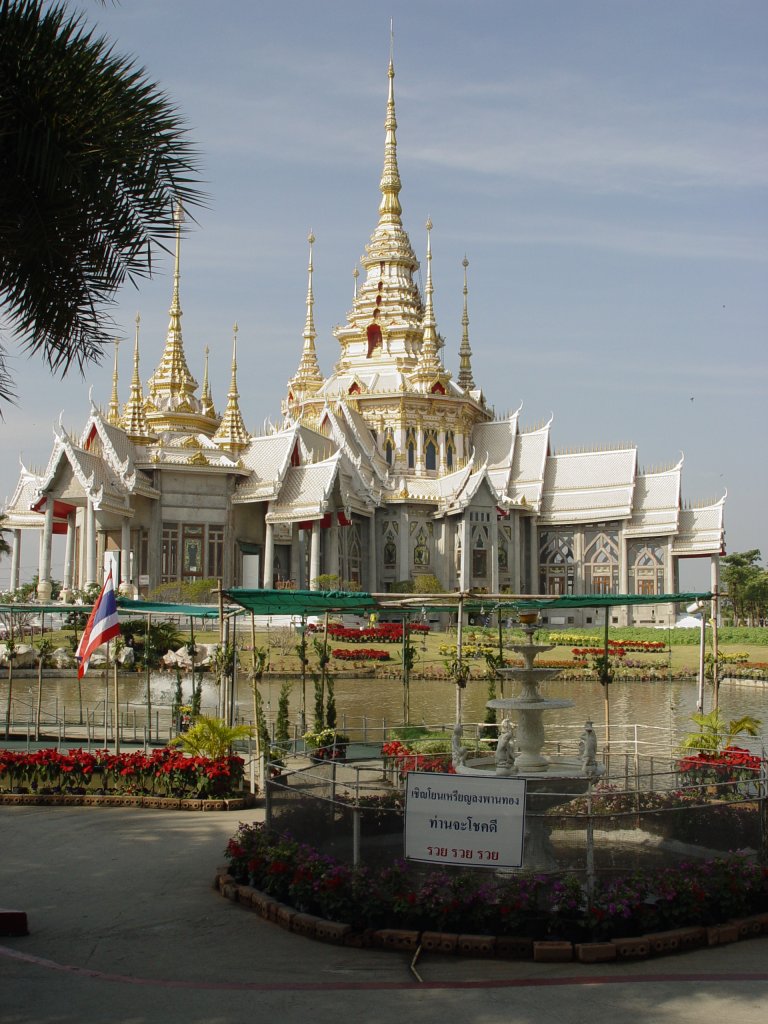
[387, 632]
[360, 654]
[406, 759]
[160, 773]
[730, 765]
[541, 907]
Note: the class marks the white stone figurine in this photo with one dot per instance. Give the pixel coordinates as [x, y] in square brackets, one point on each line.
[588, 748]
[458, 753]
[505, 755]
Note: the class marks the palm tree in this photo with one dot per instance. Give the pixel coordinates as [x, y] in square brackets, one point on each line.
[715, 733]
[93, 160]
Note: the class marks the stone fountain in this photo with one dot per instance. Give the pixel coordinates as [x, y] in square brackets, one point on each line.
[519, 753]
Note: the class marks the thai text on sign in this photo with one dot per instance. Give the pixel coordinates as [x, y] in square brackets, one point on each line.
[465, 819]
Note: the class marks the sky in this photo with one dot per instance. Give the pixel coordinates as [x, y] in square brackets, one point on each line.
[601, 163]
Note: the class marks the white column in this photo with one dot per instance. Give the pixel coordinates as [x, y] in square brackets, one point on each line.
[714, 582]
[294, 570]
[419, 449]
[372, 558]
[90, 544]
[494, 538]
[404, 553]
[13, 583]
[69, 558]
[465, 576]
[314, 555]
[626, 614]
[334, 565]
[534, 564]
[269, 556]
[125, 557]
[44, 587]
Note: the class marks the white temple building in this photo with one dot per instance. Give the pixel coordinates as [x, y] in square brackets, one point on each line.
[387, 468]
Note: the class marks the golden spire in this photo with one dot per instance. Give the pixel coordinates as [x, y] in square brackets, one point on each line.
[172, 386]
[389, 208]
[308, 379]
[232, 433]
[465, 379]
[134, 418]
[206, 402]
[113, 414]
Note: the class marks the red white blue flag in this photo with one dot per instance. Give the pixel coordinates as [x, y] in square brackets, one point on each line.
[102, 625]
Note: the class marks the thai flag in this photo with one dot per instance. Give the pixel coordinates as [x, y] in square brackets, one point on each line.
[102, 625]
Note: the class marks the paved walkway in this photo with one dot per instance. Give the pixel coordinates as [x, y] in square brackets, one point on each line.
[125, 928]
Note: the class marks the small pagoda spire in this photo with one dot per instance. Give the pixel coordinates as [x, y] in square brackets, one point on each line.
[113, 413]
[308, 379]
[429, 362]
[206, 402]
[389, 209]
[355, 275]
[232, 433]
[465, 378]
[134, 420]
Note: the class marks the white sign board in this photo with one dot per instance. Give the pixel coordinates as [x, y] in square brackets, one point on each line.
[465, 819]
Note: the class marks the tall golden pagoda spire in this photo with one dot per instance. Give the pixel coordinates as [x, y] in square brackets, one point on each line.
[172, 387]
[385, 322]
[134, 420]
[465, 379]
[113, 413]
[390, 210]
[308, 379]
[232, 433]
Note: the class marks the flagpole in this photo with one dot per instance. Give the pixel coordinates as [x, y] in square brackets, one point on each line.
[117, 701]
[106, 702]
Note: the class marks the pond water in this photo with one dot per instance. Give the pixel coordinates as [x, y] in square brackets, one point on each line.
[365, 706]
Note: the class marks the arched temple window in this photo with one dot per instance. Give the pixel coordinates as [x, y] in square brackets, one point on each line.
[556, 562]
[645, 568]
[601, 560]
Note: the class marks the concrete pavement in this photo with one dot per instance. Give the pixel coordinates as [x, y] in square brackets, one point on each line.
[126, 928]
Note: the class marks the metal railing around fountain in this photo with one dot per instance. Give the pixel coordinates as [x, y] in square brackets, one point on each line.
[643, 818]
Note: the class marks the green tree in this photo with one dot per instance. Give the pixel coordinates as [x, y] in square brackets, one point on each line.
[5, 547]
[746, 585]
[283, 723]
[93, 162]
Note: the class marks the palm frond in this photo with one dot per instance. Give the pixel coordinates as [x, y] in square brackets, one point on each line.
[93, 160]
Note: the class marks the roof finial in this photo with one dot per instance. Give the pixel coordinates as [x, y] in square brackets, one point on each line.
[355, 274]
[232, 433]
[465, 379]
[113, 414]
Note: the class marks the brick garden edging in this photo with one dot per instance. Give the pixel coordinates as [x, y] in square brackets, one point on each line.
[161, 803]
[509, 947]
